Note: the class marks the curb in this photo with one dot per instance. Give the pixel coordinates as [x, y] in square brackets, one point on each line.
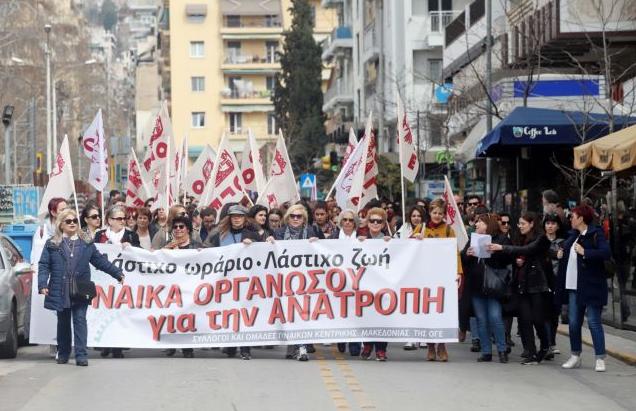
[629, 359]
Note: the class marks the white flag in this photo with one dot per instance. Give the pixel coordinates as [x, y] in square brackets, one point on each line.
[408, 151]
[94, 143]
[61, 182]
[227, 182]
[453, 216]
[159, 131]
[281, 186]
[252, 165]
[343, 183]
[364, 187]
[183, 167]
[137, 190]
[200, 173]
[353, 142]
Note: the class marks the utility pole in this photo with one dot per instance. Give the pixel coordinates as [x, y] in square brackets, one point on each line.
[7, 114]
[47, 53]
[488, 88]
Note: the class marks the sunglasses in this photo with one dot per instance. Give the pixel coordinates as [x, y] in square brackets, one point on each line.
[473, 204]
[296, 216]
[347, 220]
[375, 221]
[118, 218]
[504, 222]
[94, 216]
[179, 227]
[70, 221]
[131, 217]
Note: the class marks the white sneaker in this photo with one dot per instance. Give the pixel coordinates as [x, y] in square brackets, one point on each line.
[301, 354]
[411, 346]
[573, 362]
[600, 365]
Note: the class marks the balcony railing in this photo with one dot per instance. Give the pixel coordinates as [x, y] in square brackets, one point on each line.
[440, 19]
[339, 33]
[245, 94]
[252, 22]
[232, 57]
[340, 88]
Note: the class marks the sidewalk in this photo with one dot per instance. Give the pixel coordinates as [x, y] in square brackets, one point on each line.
[619, 344]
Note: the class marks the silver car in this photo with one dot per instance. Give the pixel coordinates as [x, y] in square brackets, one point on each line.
[16, 278]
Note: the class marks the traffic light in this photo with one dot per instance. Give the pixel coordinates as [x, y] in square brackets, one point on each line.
[326, 162]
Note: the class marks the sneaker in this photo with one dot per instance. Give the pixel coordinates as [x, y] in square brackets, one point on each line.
[291, 352]
[525, 354]
[246, 356]
[531, 360]
[188, 353]
[540, 356]
[461, 336]
[366, 352]
[573, 362]
[600, 365]
[476, 347]
[310, 348]
[170, 352]
[105, 352]
[342, 347]
[411, 346]
[229, 351]
[62, 360]
[555, 350]
[301, 354]
[354, 349]
[380, 356]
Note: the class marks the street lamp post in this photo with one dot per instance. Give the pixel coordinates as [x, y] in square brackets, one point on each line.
[6, 120]
[47, 53]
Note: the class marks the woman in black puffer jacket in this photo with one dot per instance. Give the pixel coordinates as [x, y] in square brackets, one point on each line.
[532, 277]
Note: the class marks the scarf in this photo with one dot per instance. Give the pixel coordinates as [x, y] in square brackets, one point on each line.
[343, 236]
[432, 225]
[292, 233]
[115, 238]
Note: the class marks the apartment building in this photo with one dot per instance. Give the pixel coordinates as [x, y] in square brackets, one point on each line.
[382, 48]
[223, 60]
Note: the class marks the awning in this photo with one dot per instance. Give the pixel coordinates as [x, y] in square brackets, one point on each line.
[616, 151]
[528, 126]
[468, 150]
[251, 8]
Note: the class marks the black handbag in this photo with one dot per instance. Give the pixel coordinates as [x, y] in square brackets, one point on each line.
[496, 282]
[82, 291]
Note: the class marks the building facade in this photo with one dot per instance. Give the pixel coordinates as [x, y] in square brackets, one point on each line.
[223, 61]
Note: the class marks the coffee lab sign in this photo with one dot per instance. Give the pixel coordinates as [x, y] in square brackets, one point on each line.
[533, 132]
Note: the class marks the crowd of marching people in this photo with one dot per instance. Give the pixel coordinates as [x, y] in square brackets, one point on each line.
[542, 269]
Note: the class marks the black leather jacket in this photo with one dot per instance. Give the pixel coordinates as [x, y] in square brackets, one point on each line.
[535, 275]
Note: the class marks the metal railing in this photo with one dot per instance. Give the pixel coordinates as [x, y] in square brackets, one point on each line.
[264, 22]
[233, 57]
[440, 19]
[342, 32]
[236, 94]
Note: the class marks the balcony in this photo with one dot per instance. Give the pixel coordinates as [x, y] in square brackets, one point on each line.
[371, 46]
[437, 21]
[340, 93]
[340, 38]
[243, 96]
[239, 63]
[251, 27]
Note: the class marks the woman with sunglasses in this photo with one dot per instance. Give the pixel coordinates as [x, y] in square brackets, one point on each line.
[131, 218]
[295, 227]
[116, 233]
[436, 227]
[164, 234]
[91, 219]
[67, 255]
[376, 221]
[181, 233]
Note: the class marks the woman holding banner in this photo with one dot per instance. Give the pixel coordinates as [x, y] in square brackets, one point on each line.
[64, 262]
[181, 229]
[116, 233]
[486, 305]
[233, 230]
[415, 218]
[295, 227]
[347, 225]
[436, 227]
[376, 220]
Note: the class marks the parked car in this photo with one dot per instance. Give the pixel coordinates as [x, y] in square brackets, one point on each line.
[16, 277]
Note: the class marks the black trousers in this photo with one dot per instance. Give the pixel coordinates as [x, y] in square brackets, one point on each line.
[532, 317]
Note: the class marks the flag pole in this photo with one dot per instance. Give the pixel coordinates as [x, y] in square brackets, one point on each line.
[101, 194]
[73, 182]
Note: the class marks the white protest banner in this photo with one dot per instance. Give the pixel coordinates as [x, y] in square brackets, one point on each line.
[290, 292]
[252, 165]
[227, 182]
[408, 151]
[281, 186]
[94, 143]
[353, 142]
[363, 186]
[453, 216]
[136, 188]
[61, 182]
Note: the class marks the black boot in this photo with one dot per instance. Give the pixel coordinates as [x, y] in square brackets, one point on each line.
[485, 358]
[503, 357]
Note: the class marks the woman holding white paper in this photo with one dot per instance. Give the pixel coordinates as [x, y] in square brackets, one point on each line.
[487, 307]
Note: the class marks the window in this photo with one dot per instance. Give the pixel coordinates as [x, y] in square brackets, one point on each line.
[198, 119]
[12, 254]
[235, 120]
[270, 83]
[435, 70]
[272, 20]
[420, 76]
[196, 49]
[233, 52]
[198, 83]
[233, 21]
[232, 85]
[270, 48]
[271, 124]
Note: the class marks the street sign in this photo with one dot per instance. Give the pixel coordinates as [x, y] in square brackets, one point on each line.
[307, 180]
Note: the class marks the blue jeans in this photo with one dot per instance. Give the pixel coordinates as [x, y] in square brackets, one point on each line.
[576, 313]
[474, 329]
[77, 314]
[489, 321]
